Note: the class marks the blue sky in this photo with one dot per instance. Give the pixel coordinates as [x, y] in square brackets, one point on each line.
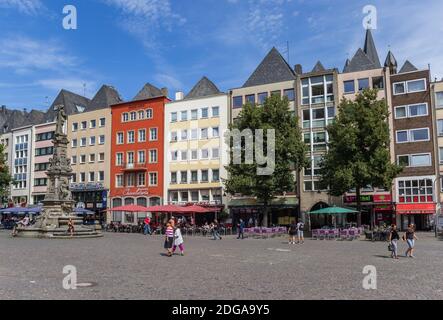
[173, 43]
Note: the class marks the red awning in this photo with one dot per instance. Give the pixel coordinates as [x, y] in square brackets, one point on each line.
[166, 209]
[416, 208]
[197, 209]
[130, 208]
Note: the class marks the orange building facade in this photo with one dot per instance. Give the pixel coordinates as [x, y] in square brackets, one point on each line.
[137, 153]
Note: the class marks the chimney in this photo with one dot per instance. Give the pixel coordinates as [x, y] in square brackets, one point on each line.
[298, 69]
[165, 91]
[179, 95]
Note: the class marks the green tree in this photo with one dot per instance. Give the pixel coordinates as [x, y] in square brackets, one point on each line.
[5, 176]
[359, 153]
[290, 153]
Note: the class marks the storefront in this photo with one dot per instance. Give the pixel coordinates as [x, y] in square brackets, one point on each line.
[94, 196]
[376, 209]
[419, 214]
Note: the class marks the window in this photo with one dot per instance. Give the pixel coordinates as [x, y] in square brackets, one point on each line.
[153, 178]
[411, 111]
[440, 156]
[101, 176]
[262, 97]
[119, 159]
[173, 177]
[42, 182]
[184, 135]
[318, 118]
[83, 159]
[44, 151]
[174, 137]
[439, 99]
[102, 122]
[101, 157]
[153, 156]
[92, 141]
[125, 117]
[402, 136]
[130, 158]
[250, 98]
[84, 125]
[403, 161]
[133, 116]
[349, 86]
[184, 177]
[205, 176]
[141, 114]
[174, 117]
[142, 135]
[130, 180]
[215, 112]
[290, 94]
[82, 177]
[91, 176]
[141, 180]
[194, 155]
[46, 136]
[149, 114]
[276, 93]
[194, 176]
[410, 86]
[194, 114]
[306, 118]
[101, 139]
[413, 135]
[440, 128]
[83, 142]
[415, 160]
[92, 158]
[205, 154]
[131, 136]
[141, 157]
[215, 132]
[194, 196]
[215, 175]
[184, 116]
[74, 143]
[184, 155]
[92, 124]
[73, 161]
[378, 83]
[74, 127]
[363, 84]
[153, 136]
[205, 113]
[120, 138]
[204, 133]
[319, 141]
[174, 155]
[194, 134]
[215, 153]
[416, 191]
[119, 181]
[237, 102]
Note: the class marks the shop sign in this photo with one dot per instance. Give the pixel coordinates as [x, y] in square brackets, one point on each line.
[382, 198]
[353, 199]
[137, 192]
[86, 186]
[90, 206]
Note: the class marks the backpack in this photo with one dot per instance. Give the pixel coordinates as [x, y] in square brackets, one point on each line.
[301, 226]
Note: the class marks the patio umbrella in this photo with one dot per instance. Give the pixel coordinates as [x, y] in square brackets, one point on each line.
[21, 211]
[130, 208]
[83, 211]
[333, 211]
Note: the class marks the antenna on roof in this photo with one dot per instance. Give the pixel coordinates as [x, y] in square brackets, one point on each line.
[287, 51]
[84, 89]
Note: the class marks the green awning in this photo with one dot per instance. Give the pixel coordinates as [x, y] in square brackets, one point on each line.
[333, 211]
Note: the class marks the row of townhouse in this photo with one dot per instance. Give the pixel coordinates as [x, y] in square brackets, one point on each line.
[154, 150]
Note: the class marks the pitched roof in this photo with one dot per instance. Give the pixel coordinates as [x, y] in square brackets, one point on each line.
[371, 50]
[104, 98]
[148, 92]
[347, 63]
[360, 62]
[318, 67]
[272, 69]
[203, 88]
[407, 67]
[71, 101]
[390, 60]
[13, 119]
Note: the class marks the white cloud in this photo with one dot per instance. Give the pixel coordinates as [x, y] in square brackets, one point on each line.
[30, 7]
[76, 85]
[169, 81]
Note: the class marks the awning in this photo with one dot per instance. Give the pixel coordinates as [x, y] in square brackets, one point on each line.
[416, 208]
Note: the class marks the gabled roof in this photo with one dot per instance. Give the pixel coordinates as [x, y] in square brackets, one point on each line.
[360, 62]
[13, 119]
[407, 67]
[371, 50]
[104, 98]
[71, 101]
[347, 63]
[318, 67]
[390, 60]
[203, 88]
[148, 92]
[272, 69]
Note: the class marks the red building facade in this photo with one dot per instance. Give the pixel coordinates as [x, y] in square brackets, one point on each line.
[137, 154]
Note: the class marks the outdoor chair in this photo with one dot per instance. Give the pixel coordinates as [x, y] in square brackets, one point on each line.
[344, 234]
[332, 234]
[257, 233]
[315, 234]
[322, 234]
[352, 234]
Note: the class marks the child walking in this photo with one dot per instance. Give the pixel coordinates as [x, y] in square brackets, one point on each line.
[169, 238]
[178, 242]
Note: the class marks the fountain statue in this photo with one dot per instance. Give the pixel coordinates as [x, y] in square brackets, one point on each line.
[58, 206]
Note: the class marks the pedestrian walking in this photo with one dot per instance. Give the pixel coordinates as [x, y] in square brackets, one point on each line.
[71, 227]
[393, 241]
[292, 232]
[410, 238]
[147, 228]
[241, 229]
[169, 239]
[215, 231]
[300, 232]
[178, 241]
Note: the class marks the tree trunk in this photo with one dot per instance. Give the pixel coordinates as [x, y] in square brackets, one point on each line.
[358, 207]
[265, 221]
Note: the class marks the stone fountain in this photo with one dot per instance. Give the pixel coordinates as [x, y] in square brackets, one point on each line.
[58, 206]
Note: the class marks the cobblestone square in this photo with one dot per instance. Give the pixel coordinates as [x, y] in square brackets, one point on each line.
[128, 266]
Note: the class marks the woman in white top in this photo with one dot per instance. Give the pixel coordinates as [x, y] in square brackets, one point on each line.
[178, 241]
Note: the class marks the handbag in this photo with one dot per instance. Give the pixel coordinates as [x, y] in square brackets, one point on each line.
[390, 247]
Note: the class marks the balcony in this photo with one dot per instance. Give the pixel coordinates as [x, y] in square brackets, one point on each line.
[134, 167]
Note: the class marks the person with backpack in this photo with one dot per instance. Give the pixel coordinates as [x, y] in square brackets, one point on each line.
[292, 232]
[300, 232]
[393, 241]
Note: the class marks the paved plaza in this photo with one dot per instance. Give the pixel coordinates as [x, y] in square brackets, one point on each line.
[129, 266]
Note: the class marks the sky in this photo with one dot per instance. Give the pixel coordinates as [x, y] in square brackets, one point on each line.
[173, 43]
